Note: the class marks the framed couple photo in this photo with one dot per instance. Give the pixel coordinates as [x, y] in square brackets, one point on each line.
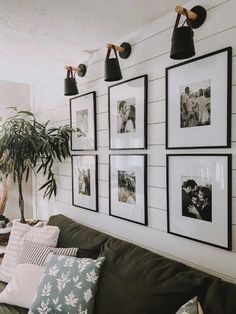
[127, 103]
[199, 198]
[128, 187]
[198, 102]
[84, 181]
[83, 121]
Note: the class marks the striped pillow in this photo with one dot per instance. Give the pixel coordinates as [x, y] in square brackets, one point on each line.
[35, 253]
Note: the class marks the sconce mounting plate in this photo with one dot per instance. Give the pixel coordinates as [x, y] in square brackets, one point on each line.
[82, 71]
[126, 53]
[201, 16]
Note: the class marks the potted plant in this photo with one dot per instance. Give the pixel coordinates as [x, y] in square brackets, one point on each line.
[26, 144]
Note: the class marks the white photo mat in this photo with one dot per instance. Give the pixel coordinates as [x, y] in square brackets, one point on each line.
[134, 91]
[82, 197]
[82, 116]
[214, 69]
[204, 169]
[131, 165]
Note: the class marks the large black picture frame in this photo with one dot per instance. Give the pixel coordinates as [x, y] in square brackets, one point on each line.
[199, 197]
[128, 187]
[198, 102]
[127, 108]
[85, 167]
[83, 120]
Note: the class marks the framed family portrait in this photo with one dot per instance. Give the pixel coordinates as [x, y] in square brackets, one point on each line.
[84, 181]
[198, 102]
[199, 198]
[127, 102]
[128, 187]
[83, 121]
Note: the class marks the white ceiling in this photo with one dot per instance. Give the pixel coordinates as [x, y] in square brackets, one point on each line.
[38, 35]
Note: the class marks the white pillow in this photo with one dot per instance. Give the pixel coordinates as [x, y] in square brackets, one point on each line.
[47, 235]
[23, 286]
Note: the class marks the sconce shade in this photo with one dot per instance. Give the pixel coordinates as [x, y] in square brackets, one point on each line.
[182, 46]
[112, 67]
[70, 85]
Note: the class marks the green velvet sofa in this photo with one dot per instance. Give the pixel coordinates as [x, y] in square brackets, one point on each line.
[136, 281]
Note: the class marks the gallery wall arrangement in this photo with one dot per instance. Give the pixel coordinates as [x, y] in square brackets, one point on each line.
[198, 106]
[151, 48]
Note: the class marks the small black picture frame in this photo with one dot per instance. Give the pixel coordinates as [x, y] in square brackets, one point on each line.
[83, 121]
[198, 102]
[128, 187]
[127, 107]
[85, 181]
[199, 198]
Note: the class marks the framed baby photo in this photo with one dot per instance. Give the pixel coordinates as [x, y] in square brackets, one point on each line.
[83, 121]
[199, 198]
[127, 103]
[128, 187]
[198, 102]
[84, 182]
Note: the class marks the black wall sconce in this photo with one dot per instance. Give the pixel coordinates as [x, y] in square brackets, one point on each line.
[70, 84]
[112, 66]
[182, 39]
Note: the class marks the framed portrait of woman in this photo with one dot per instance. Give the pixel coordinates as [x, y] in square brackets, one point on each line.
[198, 102]
[84, 182]
[127, 103]
[199, 198]
[128, 187]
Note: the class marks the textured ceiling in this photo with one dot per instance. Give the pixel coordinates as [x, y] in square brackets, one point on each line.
[38, 35]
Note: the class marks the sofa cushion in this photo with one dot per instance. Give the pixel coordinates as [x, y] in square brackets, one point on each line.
[23, 285]
[9, 309]
[68, 285]
[135, 280]
[74, 234]
[191, 307]
[220, 298]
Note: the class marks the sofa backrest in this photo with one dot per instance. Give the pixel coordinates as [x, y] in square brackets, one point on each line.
[134, 280]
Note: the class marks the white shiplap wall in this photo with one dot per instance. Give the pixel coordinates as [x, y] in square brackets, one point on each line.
[150, 55]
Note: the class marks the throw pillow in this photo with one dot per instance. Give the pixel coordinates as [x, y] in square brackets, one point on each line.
[68, 285]
[47, 235]
[191, 307]
[22, 288]
[34, 253]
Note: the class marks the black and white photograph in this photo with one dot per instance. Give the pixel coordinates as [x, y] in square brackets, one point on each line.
[128, 187]
[198, 102]
[199, 197]
[195, 104]
[126, 115]
[83, 122]
[84, 181]
[196, 198]
[127, 104]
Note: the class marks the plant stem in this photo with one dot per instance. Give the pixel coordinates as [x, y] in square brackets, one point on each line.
[21, 199]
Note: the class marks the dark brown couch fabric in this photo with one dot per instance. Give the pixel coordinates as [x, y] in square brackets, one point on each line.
[136, 281]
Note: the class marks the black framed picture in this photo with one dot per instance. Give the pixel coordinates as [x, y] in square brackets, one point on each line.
[127, 102]
[198, 102]
[128, 187]
[84, 181]
[83, 121]
[199, 198]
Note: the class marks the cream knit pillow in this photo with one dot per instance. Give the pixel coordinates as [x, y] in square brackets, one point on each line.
[47, 235]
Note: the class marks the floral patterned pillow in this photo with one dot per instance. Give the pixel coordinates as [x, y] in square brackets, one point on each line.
[68, 285]
[191, 307]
